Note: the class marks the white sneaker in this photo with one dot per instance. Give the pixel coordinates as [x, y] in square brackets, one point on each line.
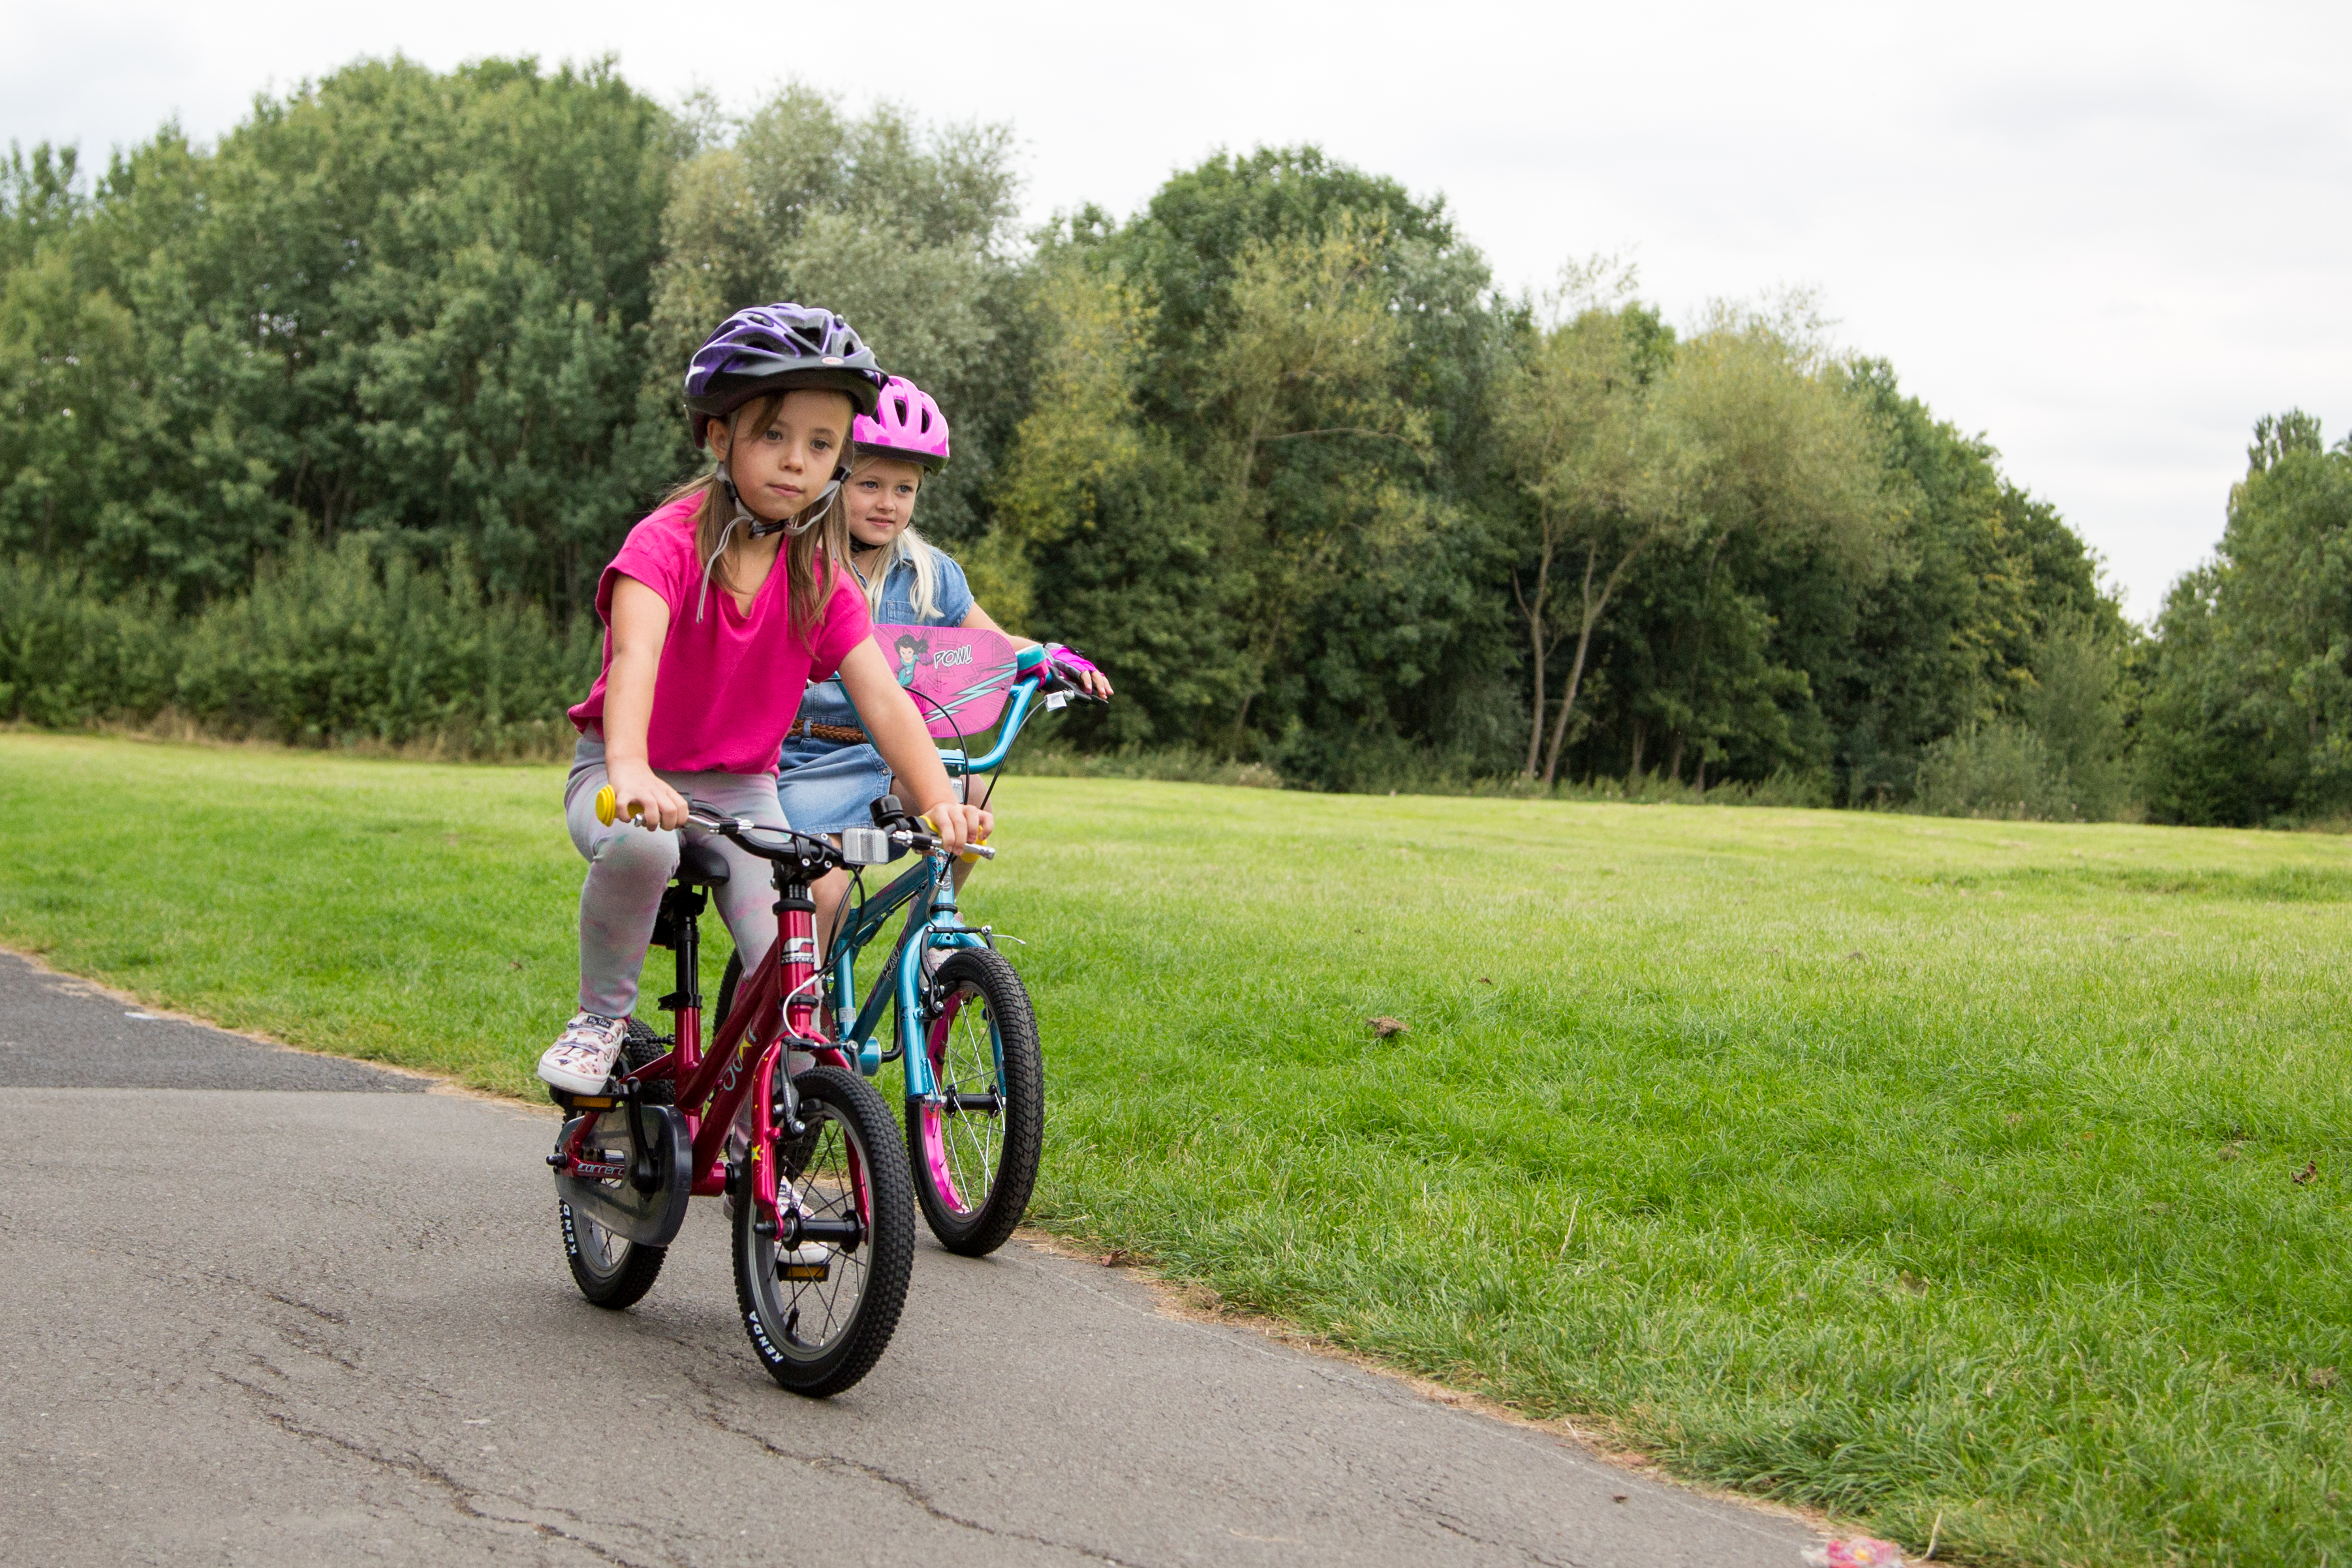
[582, 1058]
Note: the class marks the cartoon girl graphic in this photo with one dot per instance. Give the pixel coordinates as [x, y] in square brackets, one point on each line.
[911, 650]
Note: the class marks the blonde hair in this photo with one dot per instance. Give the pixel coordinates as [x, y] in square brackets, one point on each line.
[908, 546]
[809, 555]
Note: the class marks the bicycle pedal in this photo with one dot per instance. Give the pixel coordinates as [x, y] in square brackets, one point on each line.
[800, 1267]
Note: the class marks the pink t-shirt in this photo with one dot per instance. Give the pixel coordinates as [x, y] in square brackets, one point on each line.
[730, 683]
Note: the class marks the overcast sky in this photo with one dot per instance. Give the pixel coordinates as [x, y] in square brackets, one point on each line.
[2107, 236]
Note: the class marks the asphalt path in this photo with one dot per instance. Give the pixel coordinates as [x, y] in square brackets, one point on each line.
[259, 1306]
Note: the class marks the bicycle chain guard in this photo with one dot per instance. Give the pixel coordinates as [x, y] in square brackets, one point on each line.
[649, 1216]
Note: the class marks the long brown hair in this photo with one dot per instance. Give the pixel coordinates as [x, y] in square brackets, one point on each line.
[808, 556]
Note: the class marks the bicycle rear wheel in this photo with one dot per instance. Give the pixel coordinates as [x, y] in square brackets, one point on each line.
[821, 1313]
[610, 1271]
[974, 1154]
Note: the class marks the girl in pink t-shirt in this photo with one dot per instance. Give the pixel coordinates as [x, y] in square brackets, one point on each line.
[720, 609]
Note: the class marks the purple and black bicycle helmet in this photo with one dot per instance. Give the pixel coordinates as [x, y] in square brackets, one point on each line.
[906, 424]
[779, 348]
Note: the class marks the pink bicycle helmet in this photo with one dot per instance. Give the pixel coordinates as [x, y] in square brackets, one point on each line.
[908, 424]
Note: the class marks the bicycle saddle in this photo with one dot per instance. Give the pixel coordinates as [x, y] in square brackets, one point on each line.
[699, 865]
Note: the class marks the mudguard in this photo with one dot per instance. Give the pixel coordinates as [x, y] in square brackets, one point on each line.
[651, 1218]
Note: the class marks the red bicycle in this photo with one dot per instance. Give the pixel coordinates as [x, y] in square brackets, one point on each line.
[810, 1163]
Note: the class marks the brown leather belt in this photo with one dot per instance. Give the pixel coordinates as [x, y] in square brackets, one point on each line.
[845, 733]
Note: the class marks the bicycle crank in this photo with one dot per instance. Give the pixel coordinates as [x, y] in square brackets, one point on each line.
[634, 1191]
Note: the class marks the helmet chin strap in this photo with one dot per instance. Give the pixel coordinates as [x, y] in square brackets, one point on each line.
[759, 529]
[812, 512]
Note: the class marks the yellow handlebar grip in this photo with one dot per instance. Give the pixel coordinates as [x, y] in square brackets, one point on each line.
[608, 805]
[966, 856]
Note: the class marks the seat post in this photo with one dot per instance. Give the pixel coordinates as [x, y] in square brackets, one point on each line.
[678, 928]
[689, 953]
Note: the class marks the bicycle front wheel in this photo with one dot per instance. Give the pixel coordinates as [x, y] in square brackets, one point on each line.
[820, 1314]
[975, 1150]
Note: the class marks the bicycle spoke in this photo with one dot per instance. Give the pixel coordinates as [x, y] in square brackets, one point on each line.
[974, 1144]
[814, 1311]
[971, 1137]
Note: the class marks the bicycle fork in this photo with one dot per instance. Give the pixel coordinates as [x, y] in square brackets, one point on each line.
[775, 1100]
[942, 921]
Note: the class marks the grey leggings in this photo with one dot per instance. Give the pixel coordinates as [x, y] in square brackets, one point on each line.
[628, 867]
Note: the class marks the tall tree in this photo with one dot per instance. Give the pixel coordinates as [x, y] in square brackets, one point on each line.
[1311, 354]
[1574, 428]
[394, 301]
[1741, 439]
[1308, 382]
[906, 229]
[2248, 716]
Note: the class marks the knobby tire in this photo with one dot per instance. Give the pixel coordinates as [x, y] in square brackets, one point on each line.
[974, 1170]
[772, 1307]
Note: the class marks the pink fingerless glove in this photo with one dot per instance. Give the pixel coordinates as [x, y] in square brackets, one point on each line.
[1069, 660]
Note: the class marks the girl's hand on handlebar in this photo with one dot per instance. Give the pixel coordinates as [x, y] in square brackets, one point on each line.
[1075, 669]
[958, 825]
[643, 795]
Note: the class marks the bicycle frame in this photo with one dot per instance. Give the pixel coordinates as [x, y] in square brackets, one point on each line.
[782, 994]
[902, 984]
[713, 1087]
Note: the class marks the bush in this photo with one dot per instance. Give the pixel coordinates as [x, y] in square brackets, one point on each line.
[329, 648]
[1781, 788]
[68, 659]
[338, 647]
[2003, 770]
[1423, 773]
[1173, 764]
[2074, 706]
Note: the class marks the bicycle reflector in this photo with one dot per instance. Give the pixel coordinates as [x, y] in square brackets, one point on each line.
[864, 846]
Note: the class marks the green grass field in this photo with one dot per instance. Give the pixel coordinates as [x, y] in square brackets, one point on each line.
[1909, 1168]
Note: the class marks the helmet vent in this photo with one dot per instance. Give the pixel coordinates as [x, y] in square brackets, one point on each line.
[768, 348]
[904, 424]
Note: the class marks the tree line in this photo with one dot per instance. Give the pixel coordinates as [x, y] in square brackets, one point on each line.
[325, 431]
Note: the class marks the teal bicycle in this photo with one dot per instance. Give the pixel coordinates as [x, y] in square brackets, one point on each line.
[963, 1028]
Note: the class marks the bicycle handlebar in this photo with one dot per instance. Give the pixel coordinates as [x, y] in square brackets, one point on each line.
[608, 811]
[1038, 677]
